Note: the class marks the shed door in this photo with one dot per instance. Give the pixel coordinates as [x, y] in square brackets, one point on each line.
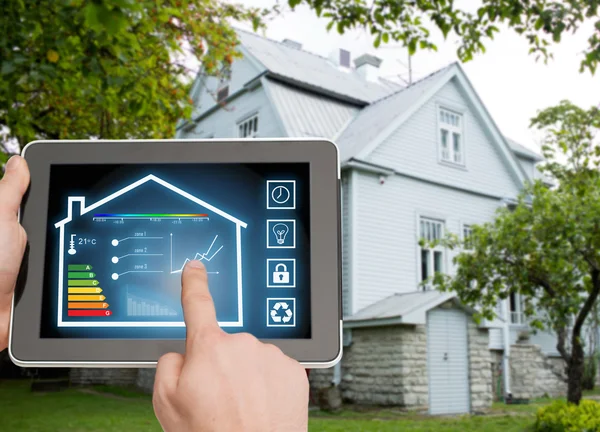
[448, 362]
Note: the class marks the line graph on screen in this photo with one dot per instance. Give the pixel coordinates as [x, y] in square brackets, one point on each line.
[200, 256]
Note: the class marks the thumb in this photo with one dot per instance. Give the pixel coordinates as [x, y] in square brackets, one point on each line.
[12, 187]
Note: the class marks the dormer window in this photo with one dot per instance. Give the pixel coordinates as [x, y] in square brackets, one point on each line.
[451, 137]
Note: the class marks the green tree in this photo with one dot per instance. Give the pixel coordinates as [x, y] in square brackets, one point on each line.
[107, 68]
[546, 248]
[541, 22]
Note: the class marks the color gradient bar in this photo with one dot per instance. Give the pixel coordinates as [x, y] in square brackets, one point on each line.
[82, 283]
[88, 297]
[79, 267]
[88, 313]
[84, 290]
[87, 305]
[81, 275]
[150, 215]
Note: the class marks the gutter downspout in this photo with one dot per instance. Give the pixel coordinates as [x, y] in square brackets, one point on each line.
[506, 340]
[337, 374]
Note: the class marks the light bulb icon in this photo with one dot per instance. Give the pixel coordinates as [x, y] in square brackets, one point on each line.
[280, 230]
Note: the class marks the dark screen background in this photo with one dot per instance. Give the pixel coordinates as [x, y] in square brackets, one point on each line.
[146, 290]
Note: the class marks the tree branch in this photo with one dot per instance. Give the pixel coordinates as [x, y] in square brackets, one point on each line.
[560, 344]
[588, 305]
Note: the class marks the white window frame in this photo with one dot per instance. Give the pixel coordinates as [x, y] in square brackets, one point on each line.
[464, 229]
[441, 223]
[517, 317]
[248, 120]
[449, 156]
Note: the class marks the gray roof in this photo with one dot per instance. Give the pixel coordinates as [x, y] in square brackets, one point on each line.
[313, 70]
[523, 151]
[372, 119]
[409, 308]
[310, 112]
[307, 114]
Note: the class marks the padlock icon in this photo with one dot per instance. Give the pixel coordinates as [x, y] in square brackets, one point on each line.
[279, 276]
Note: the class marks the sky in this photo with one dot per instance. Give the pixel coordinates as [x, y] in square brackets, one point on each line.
[512, 85]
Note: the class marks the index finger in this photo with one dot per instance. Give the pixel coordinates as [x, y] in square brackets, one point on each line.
[198, 307]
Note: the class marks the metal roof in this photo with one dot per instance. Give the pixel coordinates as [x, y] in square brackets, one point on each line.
[523, 151]
[308, 114]
[374, 118]
[315, 97]
[407, 308]
[312, 70]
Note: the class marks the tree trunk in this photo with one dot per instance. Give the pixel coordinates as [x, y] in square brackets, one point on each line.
[575, 370]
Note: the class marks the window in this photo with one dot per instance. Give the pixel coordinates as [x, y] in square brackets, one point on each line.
[432, 259]
[516, 309]
[451, 137]
[467, 233]
[248, 128]
[223, 87]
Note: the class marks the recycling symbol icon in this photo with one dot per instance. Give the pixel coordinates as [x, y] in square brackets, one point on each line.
[281, 313]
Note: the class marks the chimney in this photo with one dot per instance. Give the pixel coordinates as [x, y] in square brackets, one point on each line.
[367, 66]
[340, 57]
[292, 43]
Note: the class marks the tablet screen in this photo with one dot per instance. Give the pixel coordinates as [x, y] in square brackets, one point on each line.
[118, 237]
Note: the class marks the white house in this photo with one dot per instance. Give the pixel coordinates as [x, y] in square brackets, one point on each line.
[417, 161]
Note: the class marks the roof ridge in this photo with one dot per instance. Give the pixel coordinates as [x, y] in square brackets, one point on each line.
[281, 43]
[420, 80]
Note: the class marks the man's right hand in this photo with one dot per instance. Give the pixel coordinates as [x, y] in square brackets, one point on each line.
[226, 382]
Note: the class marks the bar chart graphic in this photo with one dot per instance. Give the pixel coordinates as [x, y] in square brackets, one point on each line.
[138, 307]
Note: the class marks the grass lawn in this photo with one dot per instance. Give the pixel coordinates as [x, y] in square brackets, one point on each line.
[105, 408]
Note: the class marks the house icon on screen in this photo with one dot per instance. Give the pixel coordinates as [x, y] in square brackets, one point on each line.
[64, 239]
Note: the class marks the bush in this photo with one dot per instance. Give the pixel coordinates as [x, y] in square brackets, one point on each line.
[561, 416]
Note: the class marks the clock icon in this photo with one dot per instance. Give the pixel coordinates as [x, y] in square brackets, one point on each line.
[280, 194]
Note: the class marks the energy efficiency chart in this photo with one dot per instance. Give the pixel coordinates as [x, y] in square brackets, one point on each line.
[138, 256]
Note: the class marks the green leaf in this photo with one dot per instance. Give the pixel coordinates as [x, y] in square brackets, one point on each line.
[377, 41]
[7, 67]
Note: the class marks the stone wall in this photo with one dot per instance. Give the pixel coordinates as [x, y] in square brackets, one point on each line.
[480, 367]
[533, 374]
[110, 376]
[382, 366]
[388, 366]
[145, 379]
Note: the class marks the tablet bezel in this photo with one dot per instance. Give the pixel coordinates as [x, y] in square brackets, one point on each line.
[323, 349]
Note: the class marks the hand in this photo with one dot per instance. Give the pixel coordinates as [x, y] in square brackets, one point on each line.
[12, 237]
[226, 382]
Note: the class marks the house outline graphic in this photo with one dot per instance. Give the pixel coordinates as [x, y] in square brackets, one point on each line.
[83, 210]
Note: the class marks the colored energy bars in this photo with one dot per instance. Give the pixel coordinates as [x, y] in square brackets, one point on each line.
[84, 298]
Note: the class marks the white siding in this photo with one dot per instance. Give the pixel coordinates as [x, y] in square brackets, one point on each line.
[413, 148]
[448, 362]
[242, 71]
[385, 256]
[496, 339]
[222, 123]
[346, 185]
[528, 166]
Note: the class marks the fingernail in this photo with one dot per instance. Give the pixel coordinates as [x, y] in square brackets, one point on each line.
[195, 264]
[13, 163]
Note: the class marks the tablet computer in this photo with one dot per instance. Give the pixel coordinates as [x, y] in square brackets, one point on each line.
[111, 224]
